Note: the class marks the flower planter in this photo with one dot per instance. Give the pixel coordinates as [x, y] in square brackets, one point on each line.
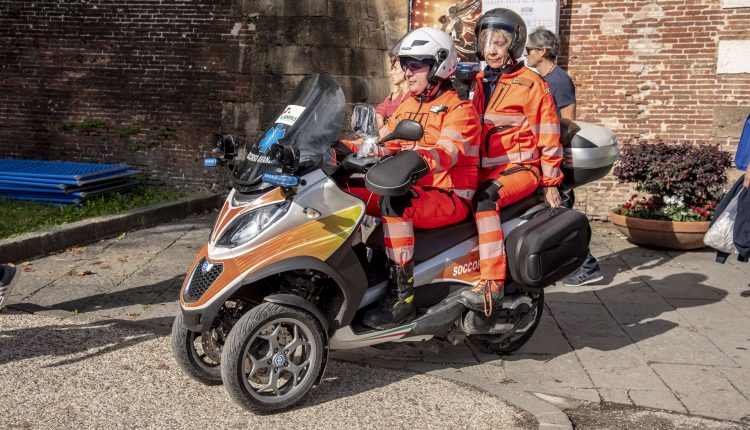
[661, 234]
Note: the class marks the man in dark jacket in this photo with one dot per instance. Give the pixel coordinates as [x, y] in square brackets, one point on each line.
[541, 53]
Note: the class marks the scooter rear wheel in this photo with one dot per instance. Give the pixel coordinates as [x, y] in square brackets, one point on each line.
[489, 344]
[272, 357]
[195, 363]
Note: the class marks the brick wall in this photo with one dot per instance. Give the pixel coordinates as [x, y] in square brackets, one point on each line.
[648, 70]
[147, 83]
[164, 76]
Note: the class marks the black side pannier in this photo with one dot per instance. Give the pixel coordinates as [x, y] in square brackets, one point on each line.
[548, 248]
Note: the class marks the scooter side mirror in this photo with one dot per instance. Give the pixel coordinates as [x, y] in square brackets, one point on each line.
[405, 130]
[225, 145]
[363, 121]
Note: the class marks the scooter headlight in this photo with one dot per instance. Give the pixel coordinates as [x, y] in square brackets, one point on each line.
[248, 225]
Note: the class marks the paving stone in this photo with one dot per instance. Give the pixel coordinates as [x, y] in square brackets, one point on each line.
[615, 395]
[490, 372]
[704, 313]
[547, 339]
[662, 342]
[623, 368]
[561, 293]
[686, 286]
[656, 400]
[538, 372]
[732, 338]
[589, 325]
[724, 401]
[739, 377]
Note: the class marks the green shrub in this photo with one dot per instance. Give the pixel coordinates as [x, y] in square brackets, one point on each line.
[684, 180]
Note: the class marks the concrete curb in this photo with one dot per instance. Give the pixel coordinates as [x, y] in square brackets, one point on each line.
[548, 415]
[41, 243]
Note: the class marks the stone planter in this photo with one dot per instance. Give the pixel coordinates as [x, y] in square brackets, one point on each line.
[661, 234]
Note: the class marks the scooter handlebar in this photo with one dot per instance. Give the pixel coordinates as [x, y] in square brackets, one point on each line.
[353, 164]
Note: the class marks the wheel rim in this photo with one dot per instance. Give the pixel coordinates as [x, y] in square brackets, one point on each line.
[202, 357]
[278, 360]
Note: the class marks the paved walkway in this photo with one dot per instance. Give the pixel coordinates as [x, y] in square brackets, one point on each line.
[667, 330]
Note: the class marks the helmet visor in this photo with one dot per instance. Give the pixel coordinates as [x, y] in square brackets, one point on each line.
[493, 41]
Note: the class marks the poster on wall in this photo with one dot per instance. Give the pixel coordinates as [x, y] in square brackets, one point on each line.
[536, 13]
[458, 17]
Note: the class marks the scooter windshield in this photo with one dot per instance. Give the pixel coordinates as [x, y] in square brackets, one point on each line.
[308, 124]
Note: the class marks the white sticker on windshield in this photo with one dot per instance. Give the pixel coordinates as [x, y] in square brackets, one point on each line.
[290, 115]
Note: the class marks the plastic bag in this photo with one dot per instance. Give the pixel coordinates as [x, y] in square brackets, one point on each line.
[720, 235]
[368, 148]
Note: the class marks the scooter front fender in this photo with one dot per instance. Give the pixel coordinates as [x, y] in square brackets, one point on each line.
[201, 318]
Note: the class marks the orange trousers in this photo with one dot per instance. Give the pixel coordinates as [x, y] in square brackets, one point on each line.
[499, 187]
[421, 207]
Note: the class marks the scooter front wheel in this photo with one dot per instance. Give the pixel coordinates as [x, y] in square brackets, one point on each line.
[272, 357]
[185, 348]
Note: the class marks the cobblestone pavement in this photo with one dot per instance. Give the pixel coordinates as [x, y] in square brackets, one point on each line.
[665, 330]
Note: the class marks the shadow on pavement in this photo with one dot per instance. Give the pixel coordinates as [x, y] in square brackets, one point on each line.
[144, 295]
[76, 342]
[628, 313]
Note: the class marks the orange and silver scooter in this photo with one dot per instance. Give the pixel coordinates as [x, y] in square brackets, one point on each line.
[278, 284]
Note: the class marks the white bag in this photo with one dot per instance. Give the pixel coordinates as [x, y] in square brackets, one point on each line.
[720, 235]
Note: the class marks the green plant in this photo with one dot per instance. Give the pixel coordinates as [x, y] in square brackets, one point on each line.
[684, 180]
[127, 131]
[18, 217]
[91, 124]
[166, 134]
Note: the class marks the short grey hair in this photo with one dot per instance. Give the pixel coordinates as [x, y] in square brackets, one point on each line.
[543, 38]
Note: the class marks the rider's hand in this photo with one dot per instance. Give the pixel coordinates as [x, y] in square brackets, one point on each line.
[746, 182]
[552, 196]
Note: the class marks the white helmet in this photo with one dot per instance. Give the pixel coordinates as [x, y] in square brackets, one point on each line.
[433, 45]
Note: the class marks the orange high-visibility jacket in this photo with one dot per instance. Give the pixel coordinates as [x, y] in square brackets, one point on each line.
[450, 144]
[520, 125]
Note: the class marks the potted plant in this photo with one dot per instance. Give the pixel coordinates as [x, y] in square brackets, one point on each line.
[683, 183]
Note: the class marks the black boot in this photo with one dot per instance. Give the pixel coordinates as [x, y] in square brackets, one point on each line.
[398, 304]
[485, 296]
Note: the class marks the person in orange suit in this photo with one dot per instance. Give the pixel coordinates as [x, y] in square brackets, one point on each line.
[520, 144]
[450, 151]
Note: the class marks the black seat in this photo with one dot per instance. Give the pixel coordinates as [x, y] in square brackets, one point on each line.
[432, 242]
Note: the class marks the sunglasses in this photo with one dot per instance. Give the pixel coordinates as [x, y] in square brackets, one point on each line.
[412, 64]
[528, 49]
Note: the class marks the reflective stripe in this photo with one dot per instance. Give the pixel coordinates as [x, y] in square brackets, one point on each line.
[552, 151]
[451, 133]
[499, 120]
[449, 146]
[400, 255]
[436, 156]
[473, 151]
[516, 157]
[398, 230]
[553, 129]
[551, 172]
[488, 224]
[491, 250]
[465, 194]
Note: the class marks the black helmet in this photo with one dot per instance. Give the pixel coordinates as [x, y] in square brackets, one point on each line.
[503, 19]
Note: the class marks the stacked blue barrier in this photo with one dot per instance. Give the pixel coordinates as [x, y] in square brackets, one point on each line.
[60, 182]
